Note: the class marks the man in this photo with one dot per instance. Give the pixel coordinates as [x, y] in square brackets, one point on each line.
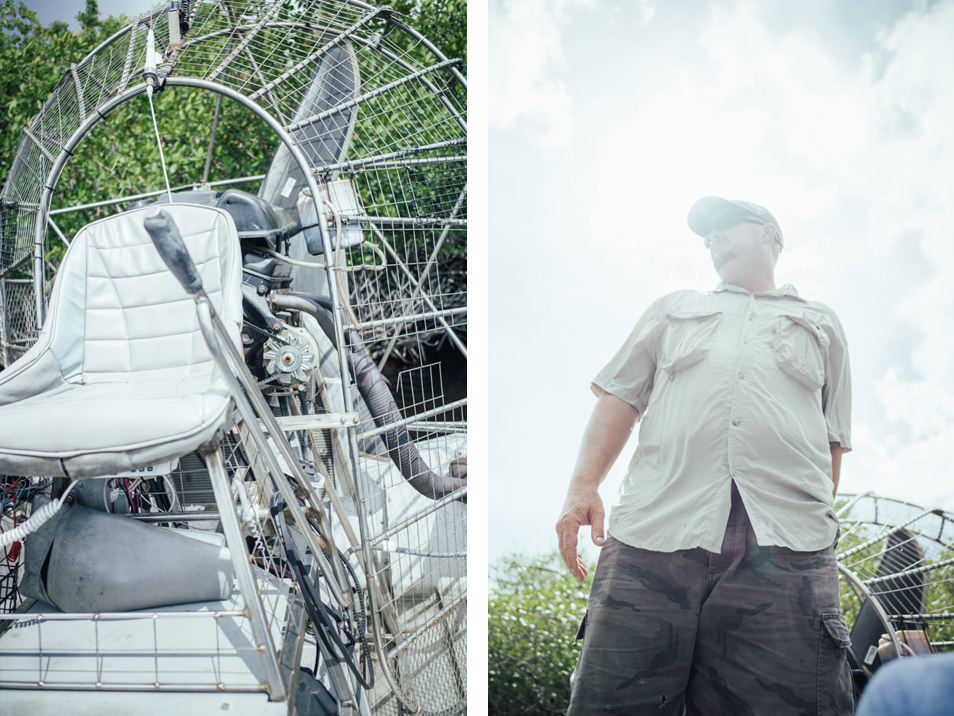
[716, 591]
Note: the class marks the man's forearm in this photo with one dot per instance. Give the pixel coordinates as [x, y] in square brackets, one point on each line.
[606, 433]
[835, 466]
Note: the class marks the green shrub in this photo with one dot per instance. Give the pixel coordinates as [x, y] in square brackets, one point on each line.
[535, 608]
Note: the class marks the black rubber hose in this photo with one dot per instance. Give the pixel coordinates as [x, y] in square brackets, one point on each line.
[384, 410]
[322, 301]
[377, 395]
[310, 305]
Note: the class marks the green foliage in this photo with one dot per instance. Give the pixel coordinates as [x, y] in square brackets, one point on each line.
[443, 22]
[535, 608]
[120, 157]
[33, 59]
[940, 599]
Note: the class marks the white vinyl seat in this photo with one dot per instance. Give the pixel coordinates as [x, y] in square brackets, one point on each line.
[121, 377]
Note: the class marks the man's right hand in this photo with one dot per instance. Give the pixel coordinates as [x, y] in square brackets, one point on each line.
[579, 509]
[606, 433]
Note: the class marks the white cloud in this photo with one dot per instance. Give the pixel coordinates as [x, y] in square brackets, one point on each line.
[526, 63]
[900, 469]
[784, 121]
[925, 408]
[916, 196]
[912, 183]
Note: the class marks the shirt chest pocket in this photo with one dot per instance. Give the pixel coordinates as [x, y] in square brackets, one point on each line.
[687, 339]
[801, 345]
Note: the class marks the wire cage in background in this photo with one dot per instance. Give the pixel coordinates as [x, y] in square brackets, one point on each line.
[378, 114]
[897, 589]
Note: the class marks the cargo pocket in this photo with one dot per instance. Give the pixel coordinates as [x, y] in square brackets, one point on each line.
[801, 346]
[580, 633]
[688, 338]
[834, 692]
[582, 630]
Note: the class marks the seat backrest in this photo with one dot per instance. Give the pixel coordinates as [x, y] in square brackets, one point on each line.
[116, 310]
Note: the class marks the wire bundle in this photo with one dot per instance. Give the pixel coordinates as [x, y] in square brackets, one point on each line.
[326, 621]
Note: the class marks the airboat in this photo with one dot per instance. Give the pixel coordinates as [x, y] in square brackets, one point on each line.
[232, 424]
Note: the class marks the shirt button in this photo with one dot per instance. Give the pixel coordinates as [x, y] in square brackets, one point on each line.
[741, 376]
[736, 421]
[732, 474]
[672, 376]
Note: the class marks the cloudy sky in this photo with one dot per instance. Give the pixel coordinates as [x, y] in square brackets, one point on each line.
[609, 118]
[65, 10]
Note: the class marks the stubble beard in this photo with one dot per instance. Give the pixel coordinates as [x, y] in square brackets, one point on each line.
[723, 256]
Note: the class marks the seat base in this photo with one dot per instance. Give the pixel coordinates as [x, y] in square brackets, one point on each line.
[90, 430]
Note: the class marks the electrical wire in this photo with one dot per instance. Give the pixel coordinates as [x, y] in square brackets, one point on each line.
[324, 619]
[314, 265]
[359, 618]
[37, 519]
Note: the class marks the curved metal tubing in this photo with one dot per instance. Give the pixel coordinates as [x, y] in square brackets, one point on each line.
[876, 605]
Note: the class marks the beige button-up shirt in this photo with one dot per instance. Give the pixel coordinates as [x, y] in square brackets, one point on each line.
[731, 386]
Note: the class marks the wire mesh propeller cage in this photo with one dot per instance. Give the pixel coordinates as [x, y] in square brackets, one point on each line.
[897, 589]
[369, 116]
[399, 135]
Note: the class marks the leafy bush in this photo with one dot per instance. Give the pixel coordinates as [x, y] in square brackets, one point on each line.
[535, 608]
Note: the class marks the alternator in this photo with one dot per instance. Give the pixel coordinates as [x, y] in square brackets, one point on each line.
[290, 356]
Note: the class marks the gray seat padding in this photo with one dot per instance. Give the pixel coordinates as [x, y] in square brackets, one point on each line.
[120, 376]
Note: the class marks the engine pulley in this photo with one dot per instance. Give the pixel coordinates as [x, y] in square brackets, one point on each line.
[290, 356]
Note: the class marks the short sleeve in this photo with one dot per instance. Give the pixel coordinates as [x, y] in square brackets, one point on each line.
[836, 394]
[629, 374]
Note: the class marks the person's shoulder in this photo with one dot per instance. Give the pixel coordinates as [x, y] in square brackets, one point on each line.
[822, 308]
[829, 319]
[682, 299]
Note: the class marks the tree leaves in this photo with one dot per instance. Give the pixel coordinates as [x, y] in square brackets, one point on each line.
[535, 608]
[33, 59]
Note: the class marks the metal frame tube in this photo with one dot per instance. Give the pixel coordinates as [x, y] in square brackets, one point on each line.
[882, 535]
[252, 407]
[4, 348]
[243, 572]
[419, 289]
[157, 192]
[175, 81]
[875, 604]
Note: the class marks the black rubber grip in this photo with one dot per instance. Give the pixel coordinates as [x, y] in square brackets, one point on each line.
[168, 242]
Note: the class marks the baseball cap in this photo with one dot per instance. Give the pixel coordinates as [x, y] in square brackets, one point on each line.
[712, 212]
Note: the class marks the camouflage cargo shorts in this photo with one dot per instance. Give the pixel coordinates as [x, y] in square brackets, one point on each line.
[753, 631]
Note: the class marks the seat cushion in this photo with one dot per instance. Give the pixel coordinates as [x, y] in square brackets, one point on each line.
[103, 428]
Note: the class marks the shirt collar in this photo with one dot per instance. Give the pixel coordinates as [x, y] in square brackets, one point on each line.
[786, 291]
